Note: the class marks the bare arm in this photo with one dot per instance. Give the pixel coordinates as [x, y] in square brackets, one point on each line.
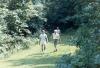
[46, 38]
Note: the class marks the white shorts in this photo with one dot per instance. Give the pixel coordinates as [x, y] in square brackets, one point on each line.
[43, 42]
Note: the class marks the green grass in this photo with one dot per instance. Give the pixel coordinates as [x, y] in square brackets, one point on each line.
[34, 58]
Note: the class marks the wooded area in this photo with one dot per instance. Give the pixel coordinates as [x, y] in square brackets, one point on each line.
[21, 20]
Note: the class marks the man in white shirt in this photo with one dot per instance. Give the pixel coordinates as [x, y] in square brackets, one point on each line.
[43, 40]
[56, 38]
[57, 30]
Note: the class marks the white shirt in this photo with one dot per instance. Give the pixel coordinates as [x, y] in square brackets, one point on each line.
[43, 37]
[56, 36]
[57, 31]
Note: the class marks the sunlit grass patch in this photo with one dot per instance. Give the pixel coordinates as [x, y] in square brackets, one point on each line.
[35, 58]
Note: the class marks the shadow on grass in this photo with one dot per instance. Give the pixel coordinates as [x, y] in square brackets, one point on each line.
[39, 60]
[49, 66]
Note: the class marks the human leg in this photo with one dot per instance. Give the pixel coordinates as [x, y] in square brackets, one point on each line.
[42, 47]
[55, 44]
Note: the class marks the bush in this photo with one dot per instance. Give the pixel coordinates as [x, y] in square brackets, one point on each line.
[87, 38]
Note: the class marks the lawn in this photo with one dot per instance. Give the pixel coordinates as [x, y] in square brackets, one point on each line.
[34, 58]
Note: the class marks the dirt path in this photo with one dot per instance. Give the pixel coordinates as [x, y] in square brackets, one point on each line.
[34, 58]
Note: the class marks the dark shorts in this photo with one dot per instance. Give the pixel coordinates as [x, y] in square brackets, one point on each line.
[55, 41]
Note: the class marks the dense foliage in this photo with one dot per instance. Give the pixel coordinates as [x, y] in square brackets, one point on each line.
[16, 24]
[88, 38]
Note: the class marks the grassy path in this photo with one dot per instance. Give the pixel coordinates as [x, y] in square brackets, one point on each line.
[33, 58]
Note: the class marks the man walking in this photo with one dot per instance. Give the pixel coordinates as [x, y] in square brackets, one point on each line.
[43, 40]
[56, 38]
